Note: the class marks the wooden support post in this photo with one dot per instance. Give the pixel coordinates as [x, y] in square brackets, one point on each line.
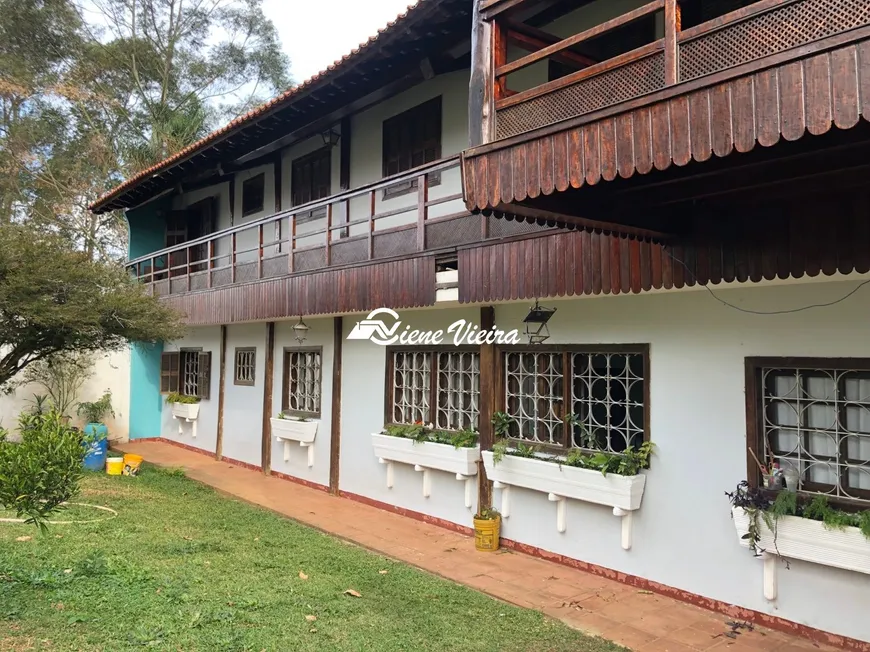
[233, 259]
[187, 255]
[219, 446]
[499, 58]
[344, 155]
[487, 406]
[371, 229]
[260, 251]
[673, 26]
[210, 261]
[328, 232]
[422, 210]
[335, 441]
[278, 174]
[481, 105]
[267, 399]
[292, 248]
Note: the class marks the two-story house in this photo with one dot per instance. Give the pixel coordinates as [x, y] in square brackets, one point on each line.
[684, 181]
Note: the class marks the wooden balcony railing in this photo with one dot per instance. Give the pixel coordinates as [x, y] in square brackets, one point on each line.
[763, 29]
[354, 227]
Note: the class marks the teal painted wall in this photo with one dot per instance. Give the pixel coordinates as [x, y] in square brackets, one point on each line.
[146, 403]
[147, 233]
[147, 227]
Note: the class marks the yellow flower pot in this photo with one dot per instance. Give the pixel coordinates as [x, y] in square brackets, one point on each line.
[486, 534]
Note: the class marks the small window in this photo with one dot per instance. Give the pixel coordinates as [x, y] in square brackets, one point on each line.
[812, 415]
[246, 366]
[604, 390]
[253, 194]
[438, 387]
[302, 376]
[412, 139]
[186, 371]
[311, 177]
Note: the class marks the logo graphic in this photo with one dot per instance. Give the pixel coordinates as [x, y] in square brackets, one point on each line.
[375, 329]
[464, 333]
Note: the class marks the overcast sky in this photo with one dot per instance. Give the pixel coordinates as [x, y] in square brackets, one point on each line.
[315, 33]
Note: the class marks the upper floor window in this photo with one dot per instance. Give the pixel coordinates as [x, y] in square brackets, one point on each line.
[590, 398]
[812, 415]
[311, 177]
[253, 194]
[187, 372]
[412, 139]
[441, 387]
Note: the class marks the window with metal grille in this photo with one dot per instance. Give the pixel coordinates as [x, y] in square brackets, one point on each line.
[412, 139]
[302, 378]
[603, 391]
[812, 415]
[441, 387]
[246, 366]
[187, 372]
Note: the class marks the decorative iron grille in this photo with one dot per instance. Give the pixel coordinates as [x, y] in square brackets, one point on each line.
[818, 422]
[411, 386]
[246, 366]
[534, 396]
[458, 391]
[190, 378]
[610, 87]
[303, 388]
[767, 33]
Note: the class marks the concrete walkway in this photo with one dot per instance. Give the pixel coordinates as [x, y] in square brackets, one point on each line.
[636, 619]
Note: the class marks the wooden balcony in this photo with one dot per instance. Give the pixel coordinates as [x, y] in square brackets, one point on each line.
[770, 71]
[401, 222]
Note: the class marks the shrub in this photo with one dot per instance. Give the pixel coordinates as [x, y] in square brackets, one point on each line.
[44, 470]
[93, 412]
[176, 397]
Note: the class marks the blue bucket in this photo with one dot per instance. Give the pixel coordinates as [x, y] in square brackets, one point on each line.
[96, 452]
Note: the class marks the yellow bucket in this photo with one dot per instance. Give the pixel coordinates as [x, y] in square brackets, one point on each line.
[114, 465]
[486, 534]
[131, 464]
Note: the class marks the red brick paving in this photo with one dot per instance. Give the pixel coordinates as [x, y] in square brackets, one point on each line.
[637, 619]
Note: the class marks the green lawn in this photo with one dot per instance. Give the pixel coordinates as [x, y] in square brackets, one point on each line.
[184, 568]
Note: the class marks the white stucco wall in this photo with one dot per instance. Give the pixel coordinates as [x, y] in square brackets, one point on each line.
[110, 371]
[683, 534]
[243, 404]
[207, 339]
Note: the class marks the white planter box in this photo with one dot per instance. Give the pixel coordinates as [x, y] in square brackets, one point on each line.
[302, 431]
[441, 457]
[808, 540]
[560, 482]
[189, 411]
[620, 491]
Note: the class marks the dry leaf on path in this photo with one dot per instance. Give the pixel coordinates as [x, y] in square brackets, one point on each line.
[355, 594]
[24, 538]
[383, 572]
[310, 618]
[302, 576]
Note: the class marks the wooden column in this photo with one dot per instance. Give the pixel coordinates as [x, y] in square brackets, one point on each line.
[344, 155]
[267, 399]
[488, 384]
[219, 447]
[673, 25]
[335, 441]
[278, 180]
[481, 107]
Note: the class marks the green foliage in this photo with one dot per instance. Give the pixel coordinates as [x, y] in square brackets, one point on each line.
[94, 411]
[54, 300]
[629, 462]
[176, 397]
[62, 376]
[43, 471]
[420, 433]
[488, 514]
[502, 422]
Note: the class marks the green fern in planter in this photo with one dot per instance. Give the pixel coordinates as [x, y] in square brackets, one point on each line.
[176, 397]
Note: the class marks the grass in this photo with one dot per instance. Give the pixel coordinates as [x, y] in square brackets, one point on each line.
[184, 568]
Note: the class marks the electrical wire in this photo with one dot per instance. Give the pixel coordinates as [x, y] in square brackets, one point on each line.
[760, 312]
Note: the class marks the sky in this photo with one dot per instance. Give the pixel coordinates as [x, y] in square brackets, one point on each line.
[314, 33]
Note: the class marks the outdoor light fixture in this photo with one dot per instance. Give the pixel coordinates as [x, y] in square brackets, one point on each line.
[536, 323]
[330, 138]
[300, 330]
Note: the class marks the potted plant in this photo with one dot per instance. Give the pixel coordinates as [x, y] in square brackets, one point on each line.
[295, 428]
[183, 406]
[419, 445]
[95, 433]
[487, 523]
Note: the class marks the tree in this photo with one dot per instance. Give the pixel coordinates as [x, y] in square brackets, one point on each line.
[54, 299]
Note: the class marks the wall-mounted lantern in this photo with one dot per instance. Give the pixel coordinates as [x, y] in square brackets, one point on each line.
[300, 330]
[536, 323]
[330, 138]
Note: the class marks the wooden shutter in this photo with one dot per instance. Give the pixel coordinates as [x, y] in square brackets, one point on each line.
[203, 380]
[169, 372]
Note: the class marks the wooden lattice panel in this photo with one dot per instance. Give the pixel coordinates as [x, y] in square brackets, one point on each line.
[309, 259]
[395, 243]
[344, 252]
[621, 84]
[450, 233]
[768, 33]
